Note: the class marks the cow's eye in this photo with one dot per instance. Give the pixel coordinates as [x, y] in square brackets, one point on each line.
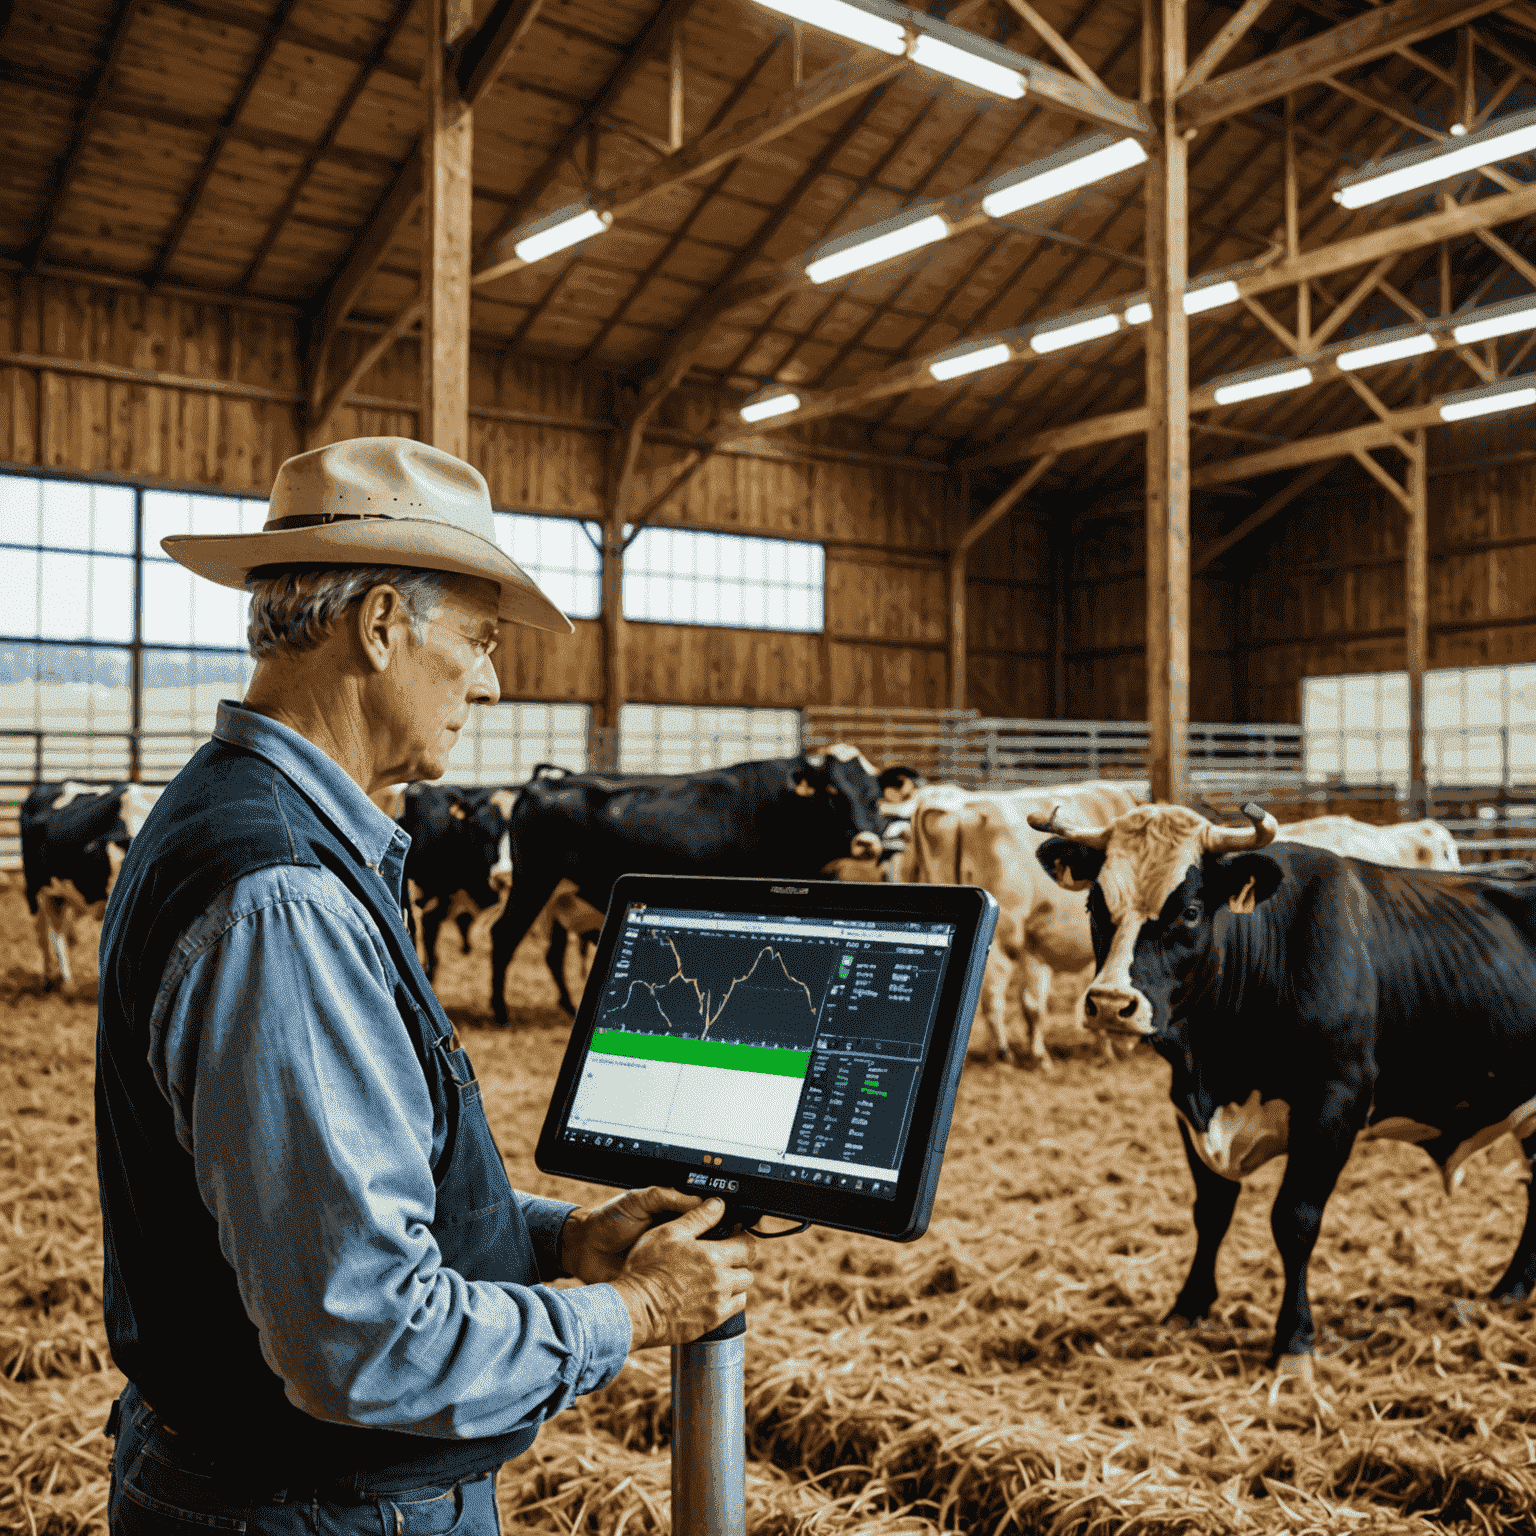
[1192, 914]
[831, 790]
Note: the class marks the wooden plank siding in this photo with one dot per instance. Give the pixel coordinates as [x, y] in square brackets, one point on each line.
[539, 433]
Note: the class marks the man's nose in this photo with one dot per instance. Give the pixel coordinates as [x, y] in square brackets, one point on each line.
[485, 688]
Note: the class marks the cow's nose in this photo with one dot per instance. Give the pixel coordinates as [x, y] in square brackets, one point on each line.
[1118, 1009]
[501, 881]
[865, 845]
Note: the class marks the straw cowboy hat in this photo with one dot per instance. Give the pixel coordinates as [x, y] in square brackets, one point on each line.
[376, 501]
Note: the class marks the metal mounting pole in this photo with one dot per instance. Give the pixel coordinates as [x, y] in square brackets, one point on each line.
[709, 1435]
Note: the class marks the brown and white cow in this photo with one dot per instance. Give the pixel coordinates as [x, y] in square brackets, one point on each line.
[979, 837]
[1412, 844]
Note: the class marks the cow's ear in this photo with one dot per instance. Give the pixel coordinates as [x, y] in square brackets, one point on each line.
[1242, 880]
[800, 782]
[1072, 866]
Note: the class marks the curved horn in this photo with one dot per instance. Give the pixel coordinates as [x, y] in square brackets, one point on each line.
[1232, 839]
[1089, 837]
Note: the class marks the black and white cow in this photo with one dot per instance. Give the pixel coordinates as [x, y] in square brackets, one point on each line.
[1304, 999]
[73, 839]
[786, 816]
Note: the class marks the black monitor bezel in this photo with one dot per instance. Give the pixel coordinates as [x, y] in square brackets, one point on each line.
[969, 908]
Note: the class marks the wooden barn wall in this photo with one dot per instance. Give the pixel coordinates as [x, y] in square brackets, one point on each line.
[1106, 625]
[540, 433]
[1324, 594]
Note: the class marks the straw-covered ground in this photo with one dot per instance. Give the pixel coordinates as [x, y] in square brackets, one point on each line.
[1007, 1373]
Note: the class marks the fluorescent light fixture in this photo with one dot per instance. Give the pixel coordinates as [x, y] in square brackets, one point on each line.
[850, 21]
[765, 406]
[1499, 140]
[1209, 296]
[1069, 335]
[1499, 320]
[878, 243]
[1263, 384]
[1078, 165]
[1139, 313]
[570, 226]
[970, 362]
[1399, 345]
[1484, 402]
[961, 63]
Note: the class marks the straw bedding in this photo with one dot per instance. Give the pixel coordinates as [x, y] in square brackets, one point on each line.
[1007, 1373]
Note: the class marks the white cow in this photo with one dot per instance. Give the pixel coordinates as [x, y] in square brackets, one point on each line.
[1415, 844]
[978, 837]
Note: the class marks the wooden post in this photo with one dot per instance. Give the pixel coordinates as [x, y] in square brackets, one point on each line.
[1167, 257]
[604, 747]
[1061, 562]
[446, 239]
[1293, 223]
[1416, 619]
[675, 103]
[957, 636]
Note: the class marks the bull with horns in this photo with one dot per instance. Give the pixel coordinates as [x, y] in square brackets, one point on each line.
[1304, 999]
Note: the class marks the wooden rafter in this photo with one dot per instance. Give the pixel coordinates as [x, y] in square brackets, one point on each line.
[1251, 524]
[85, 124]
[366, 69]
[1345, 47]
[1058, 44]
[1228, 36]
[192, 197]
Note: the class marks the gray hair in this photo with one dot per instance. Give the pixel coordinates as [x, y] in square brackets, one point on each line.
[294, 607]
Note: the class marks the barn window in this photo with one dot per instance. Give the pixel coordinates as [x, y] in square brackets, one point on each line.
[680, 576]
[560, 554]
[503, 743]
[1479, 726]
[683, 738]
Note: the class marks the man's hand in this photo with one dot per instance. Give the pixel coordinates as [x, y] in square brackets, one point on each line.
[596, 1238]
[677, 1288]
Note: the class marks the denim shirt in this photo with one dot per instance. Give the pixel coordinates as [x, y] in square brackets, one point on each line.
[276, 1040]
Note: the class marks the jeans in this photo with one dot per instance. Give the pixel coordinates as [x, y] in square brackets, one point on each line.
[158, 1490]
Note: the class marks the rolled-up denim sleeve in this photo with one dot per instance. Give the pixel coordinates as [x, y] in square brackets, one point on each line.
[300, 1097]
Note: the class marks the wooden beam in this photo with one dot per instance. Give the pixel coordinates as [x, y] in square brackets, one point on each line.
[1005, 503]
[193, 195]
[95, 92]
[1416, 619]
[447, 238]
[675, 93]
[1381, 477]
[1256, 520]
[366, 69]
[652, 36]
[1308, 450]
[1227, 38]
[317, 425]
[1167, 361]
[481, 56]
[1059, 45]
[1345, 47]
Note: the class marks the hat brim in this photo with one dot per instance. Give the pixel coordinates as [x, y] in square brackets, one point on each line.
[420, 543]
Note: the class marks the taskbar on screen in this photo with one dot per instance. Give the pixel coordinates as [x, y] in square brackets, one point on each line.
[715, 1169]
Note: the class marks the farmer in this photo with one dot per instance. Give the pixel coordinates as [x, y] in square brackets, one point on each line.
[323, 1291]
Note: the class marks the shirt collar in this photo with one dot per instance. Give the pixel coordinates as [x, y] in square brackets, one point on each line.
[321, 779]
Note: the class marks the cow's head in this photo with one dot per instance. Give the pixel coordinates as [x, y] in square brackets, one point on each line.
[482, 819]
[844, 794]
[898, 784]
[1156, 877]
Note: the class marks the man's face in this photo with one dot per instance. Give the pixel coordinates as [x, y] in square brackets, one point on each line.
[426, 692]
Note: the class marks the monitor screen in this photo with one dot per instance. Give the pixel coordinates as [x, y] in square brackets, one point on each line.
[787, 1048]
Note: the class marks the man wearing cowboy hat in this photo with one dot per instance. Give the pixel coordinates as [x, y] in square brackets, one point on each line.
[319, 1282]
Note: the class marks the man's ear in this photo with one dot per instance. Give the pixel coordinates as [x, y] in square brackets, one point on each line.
[1242, 880]
[1073, 866]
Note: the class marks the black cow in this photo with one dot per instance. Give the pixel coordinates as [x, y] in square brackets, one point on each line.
[1304, 999]
[73, 839]
[786, 816]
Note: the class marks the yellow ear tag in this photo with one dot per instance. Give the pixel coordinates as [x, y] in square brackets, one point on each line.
[1243, 903]
[458, 813]
[802, 788]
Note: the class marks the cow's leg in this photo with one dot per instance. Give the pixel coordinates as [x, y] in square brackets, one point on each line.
[431, 925]
[554, 958]
[45, 941]
[464, 922]
[1034, 999]
[1520, 1278]
[1215, 1200]
[994, 999]
[1315, 1157]
[526, 900]
[64, 941]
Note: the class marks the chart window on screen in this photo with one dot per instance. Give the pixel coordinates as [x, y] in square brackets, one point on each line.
[780, 1046]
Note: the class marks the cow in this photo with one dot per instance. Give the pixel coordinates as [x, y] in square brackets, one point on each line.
[73, 840]
[1304, 999]
[784, 816]
[898, 794]
[1416, 844]
[977, 837]
[459, 867]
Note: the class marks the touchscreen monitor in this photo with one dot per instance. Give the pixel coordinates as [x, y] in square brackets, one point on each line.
[791, 1047]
